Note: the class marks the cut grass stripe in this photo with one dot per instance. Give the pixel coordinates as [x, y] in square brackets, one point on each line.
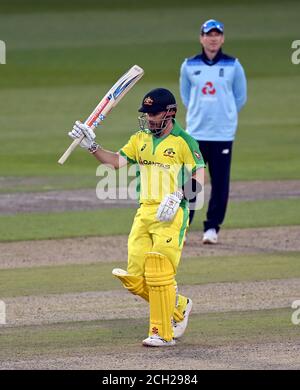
[67, 224]
[98, 277]
[31, 226]
[259, 326]
[212, 329]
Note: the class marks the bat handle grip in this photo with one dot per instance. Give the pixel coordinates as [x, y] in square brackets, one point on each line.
[70, 149]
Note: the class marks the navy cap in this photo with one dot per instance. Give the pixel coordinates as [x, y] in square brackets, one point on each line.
[212, 24]
[158, 100]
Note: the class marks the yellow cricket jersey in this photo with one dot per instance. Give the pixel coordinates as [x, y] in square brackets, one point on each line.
[164, 164]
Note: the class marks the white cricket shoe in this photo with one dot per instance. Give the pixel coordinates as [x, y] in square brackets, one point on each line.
[156, 341]
[210, 237]
[180, 327]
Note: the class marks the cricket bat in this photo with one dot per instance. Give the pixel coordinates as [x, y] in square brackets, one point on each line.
[109, 101]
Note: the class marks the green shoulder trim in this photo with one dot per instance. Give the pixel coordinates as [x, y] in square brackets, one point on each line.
[194, 149]
[177, 129]
[184, 223]
[130, 160]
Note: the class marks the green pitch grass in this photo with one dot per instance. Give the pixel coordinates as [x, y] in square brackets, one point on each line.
[58, 67]
[117, 336]
[97, 277]
[37, 226]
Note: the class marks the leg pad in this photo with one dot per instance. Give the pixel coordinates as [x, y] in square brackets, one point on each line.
[159, 275]
[137, 286]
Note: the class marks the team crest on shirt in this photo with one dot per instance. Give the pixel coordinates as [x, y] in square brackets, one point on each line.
[169, 152]
[148, 101]
[197, 155]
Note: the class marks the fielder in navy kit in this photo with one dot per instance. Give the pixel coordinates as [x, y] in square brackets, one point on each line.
[213, 88]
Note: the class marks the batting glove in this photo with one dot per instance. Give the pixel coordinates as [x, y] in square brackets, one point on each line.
[88, 142]
[169, 206]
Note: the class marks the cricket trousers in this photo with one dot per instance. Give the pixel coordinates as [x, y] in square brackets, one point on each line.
[165, 238]
[217, 155]
[150, 235]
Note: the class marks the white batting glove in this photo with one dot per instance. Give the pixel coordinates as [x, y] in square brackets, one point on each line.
[88, 142]
[169, 206]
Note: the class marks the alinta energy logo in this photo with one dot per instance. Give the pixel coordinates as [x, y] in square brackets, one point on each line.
[295, 58]
[2, 52]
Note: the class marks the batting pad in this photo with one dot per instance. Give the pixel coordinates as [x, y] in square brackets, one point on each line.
[135, 284]
[159, 274]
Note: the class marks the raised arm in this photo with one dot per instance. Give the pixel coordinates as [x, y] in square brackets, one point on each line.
[104, 156]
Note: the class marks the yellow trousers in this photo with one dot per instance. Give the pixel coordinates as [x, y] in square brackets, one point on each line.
[149, 235]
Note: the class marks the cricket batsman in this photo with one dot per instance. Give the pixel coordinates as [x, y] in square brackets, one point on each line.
[163, 152]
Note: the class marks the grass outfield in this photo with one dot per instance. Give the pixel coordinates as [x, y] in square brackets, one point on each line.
[97, 277]
[212, 329]
[56, 72]
[37, 226]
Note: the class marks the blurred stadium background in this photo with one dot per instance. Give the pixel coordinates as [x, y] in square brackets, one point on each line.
[62, 56]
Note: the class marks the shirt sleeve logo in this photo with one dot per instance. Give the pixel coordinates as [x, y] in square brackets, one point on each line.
[208, 89]
[198, 155]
